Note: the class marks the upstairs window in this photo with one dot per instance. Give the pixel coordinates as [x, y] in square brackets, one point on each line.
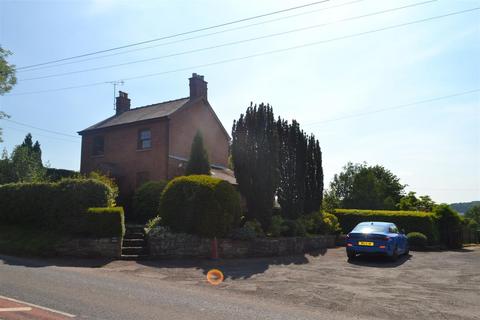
[144, 139]
[98, 145]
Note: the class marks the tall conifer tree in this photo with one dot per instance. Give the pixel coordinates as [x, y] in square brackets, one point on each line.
[255, 159]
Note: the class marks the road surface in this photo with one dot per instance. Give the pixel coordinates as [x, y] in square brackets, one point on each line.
[433, 285]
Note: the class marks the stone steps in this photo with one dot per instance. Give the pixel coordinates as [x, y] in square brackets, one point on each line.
[134, 246]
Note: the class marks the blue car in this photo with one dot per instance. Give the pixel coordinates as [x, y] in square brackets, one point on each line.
[376, 237]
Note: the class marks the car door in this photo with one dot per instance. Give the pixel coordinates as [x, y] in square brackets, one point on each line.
[399, 239]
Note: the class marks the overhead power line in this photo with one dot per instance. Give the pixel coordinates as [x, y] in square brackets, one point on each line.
[306, 45]
[41, 129]
[41, 135]
[177, 34]
[400, 106]
[231, 43]
[190, 38]
[418, 102]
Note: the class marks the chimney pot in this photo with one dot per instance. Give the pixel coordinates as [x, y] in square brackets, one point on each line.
[122, 103]
[198, 86]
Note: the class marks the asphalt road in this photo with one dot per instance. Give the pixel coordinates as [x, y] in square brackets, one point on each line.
[433, 285]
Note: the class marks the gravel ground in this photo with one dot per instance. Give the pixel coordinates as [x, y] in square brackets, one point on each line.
[422, 285]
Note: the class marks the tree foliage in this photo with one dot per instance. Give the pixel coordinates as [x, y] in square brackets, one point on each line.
[7, 78]
[411, 202]
[276, 158]
[24, 164]
[474, 213]
[255, 147]
[360, 186]
[198, 162]
[301, 174]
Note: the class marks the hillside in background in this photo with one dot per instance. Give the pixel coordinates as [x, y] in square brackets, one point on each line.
[463, 207]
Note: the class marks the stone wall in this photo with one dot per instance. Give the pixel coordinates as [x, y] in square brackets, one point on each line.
[162, 243]
[91, 247]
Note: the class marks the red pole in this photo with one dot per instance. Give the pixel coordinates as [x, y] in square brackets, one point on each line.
[214, 251]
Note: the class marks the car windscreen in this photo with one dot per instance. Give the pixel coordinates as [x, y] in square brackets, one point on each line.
[370, 228]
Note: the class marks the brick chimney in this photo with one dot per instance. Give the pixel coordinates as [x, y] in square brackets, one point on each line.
[122, 103]
[198, 86]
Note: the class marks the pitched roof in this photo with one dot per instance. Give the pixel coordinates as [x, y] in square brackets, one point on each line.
[153, 111]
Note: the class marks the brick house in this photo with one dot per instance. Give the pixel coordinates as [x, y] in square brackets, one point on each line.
[153, 142]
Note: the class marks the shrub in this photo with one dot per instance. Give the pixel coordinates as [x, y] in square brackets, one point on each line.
[101, 223]
[51, 205]
[200, 204]
[417, 239]
[449, 226]
[152, 223]
[146, 200]
[277, 226]
[250, 230]
[321, 223]
[294, 228]
[410, 221]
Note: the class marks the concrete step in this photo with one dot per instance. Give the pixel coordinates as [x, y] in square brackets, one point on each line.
[135, 228]
[133, 257]
[134, 243]
[134, 250]
[134, 235]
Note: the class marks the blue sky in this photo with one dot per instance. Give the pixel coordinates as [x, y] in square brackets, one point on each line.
[333, 88]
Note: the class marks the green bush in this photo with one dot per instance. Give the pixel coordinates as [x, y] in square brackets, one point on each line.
[410, 221]
[146, 201]
[449, 226]
[294, 228]
[250, 230]
[101, 223]
[321, 223]
[417, 239]
[277, 226]
[51, 205]
[200, 204]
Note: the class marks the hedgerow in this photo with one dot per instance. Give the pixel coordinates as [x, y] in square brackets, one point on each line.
[51, 206]
[410, 221]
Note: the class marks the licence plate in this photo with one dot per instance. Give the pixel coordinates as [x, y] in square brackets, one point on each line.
[365, 243]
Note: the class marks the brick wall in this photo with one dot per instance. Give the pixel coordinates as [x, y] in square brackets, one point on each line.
[123, 159]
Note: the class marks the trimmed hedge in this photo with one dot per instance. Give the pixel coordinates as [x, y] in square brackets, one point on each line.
[410, 221]
[51, 205]
[200, 204]
[417, 240]
[146, 200]
[102, 223]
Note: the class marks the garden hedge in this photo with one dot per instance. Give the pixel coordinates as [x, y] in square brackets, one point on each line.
[200, 204]
[146, 200]
[102, 223]
[51, 205]
[410, 221]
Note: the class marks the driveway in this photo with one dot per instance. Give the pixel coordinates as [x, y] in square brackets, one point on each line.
[423, 285]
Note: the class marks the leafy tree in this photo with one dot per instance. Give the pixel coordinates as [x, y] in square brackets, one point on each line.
[292, 168]
[314, 176]
[7, 78]
[474, 213]
[198, 162]
[255, 146]
[360, 186]
[24, 164]
[449, 226]
[6, 169]
[411, 202]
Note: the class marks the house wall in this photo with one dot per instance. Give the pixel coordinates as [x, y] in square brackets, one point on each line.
[121, 157]
[184, 125]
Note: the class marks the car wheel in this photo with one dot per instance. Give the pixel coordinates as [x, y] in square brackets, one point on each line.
[407, 251]
[351, 254]
[394, 256]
